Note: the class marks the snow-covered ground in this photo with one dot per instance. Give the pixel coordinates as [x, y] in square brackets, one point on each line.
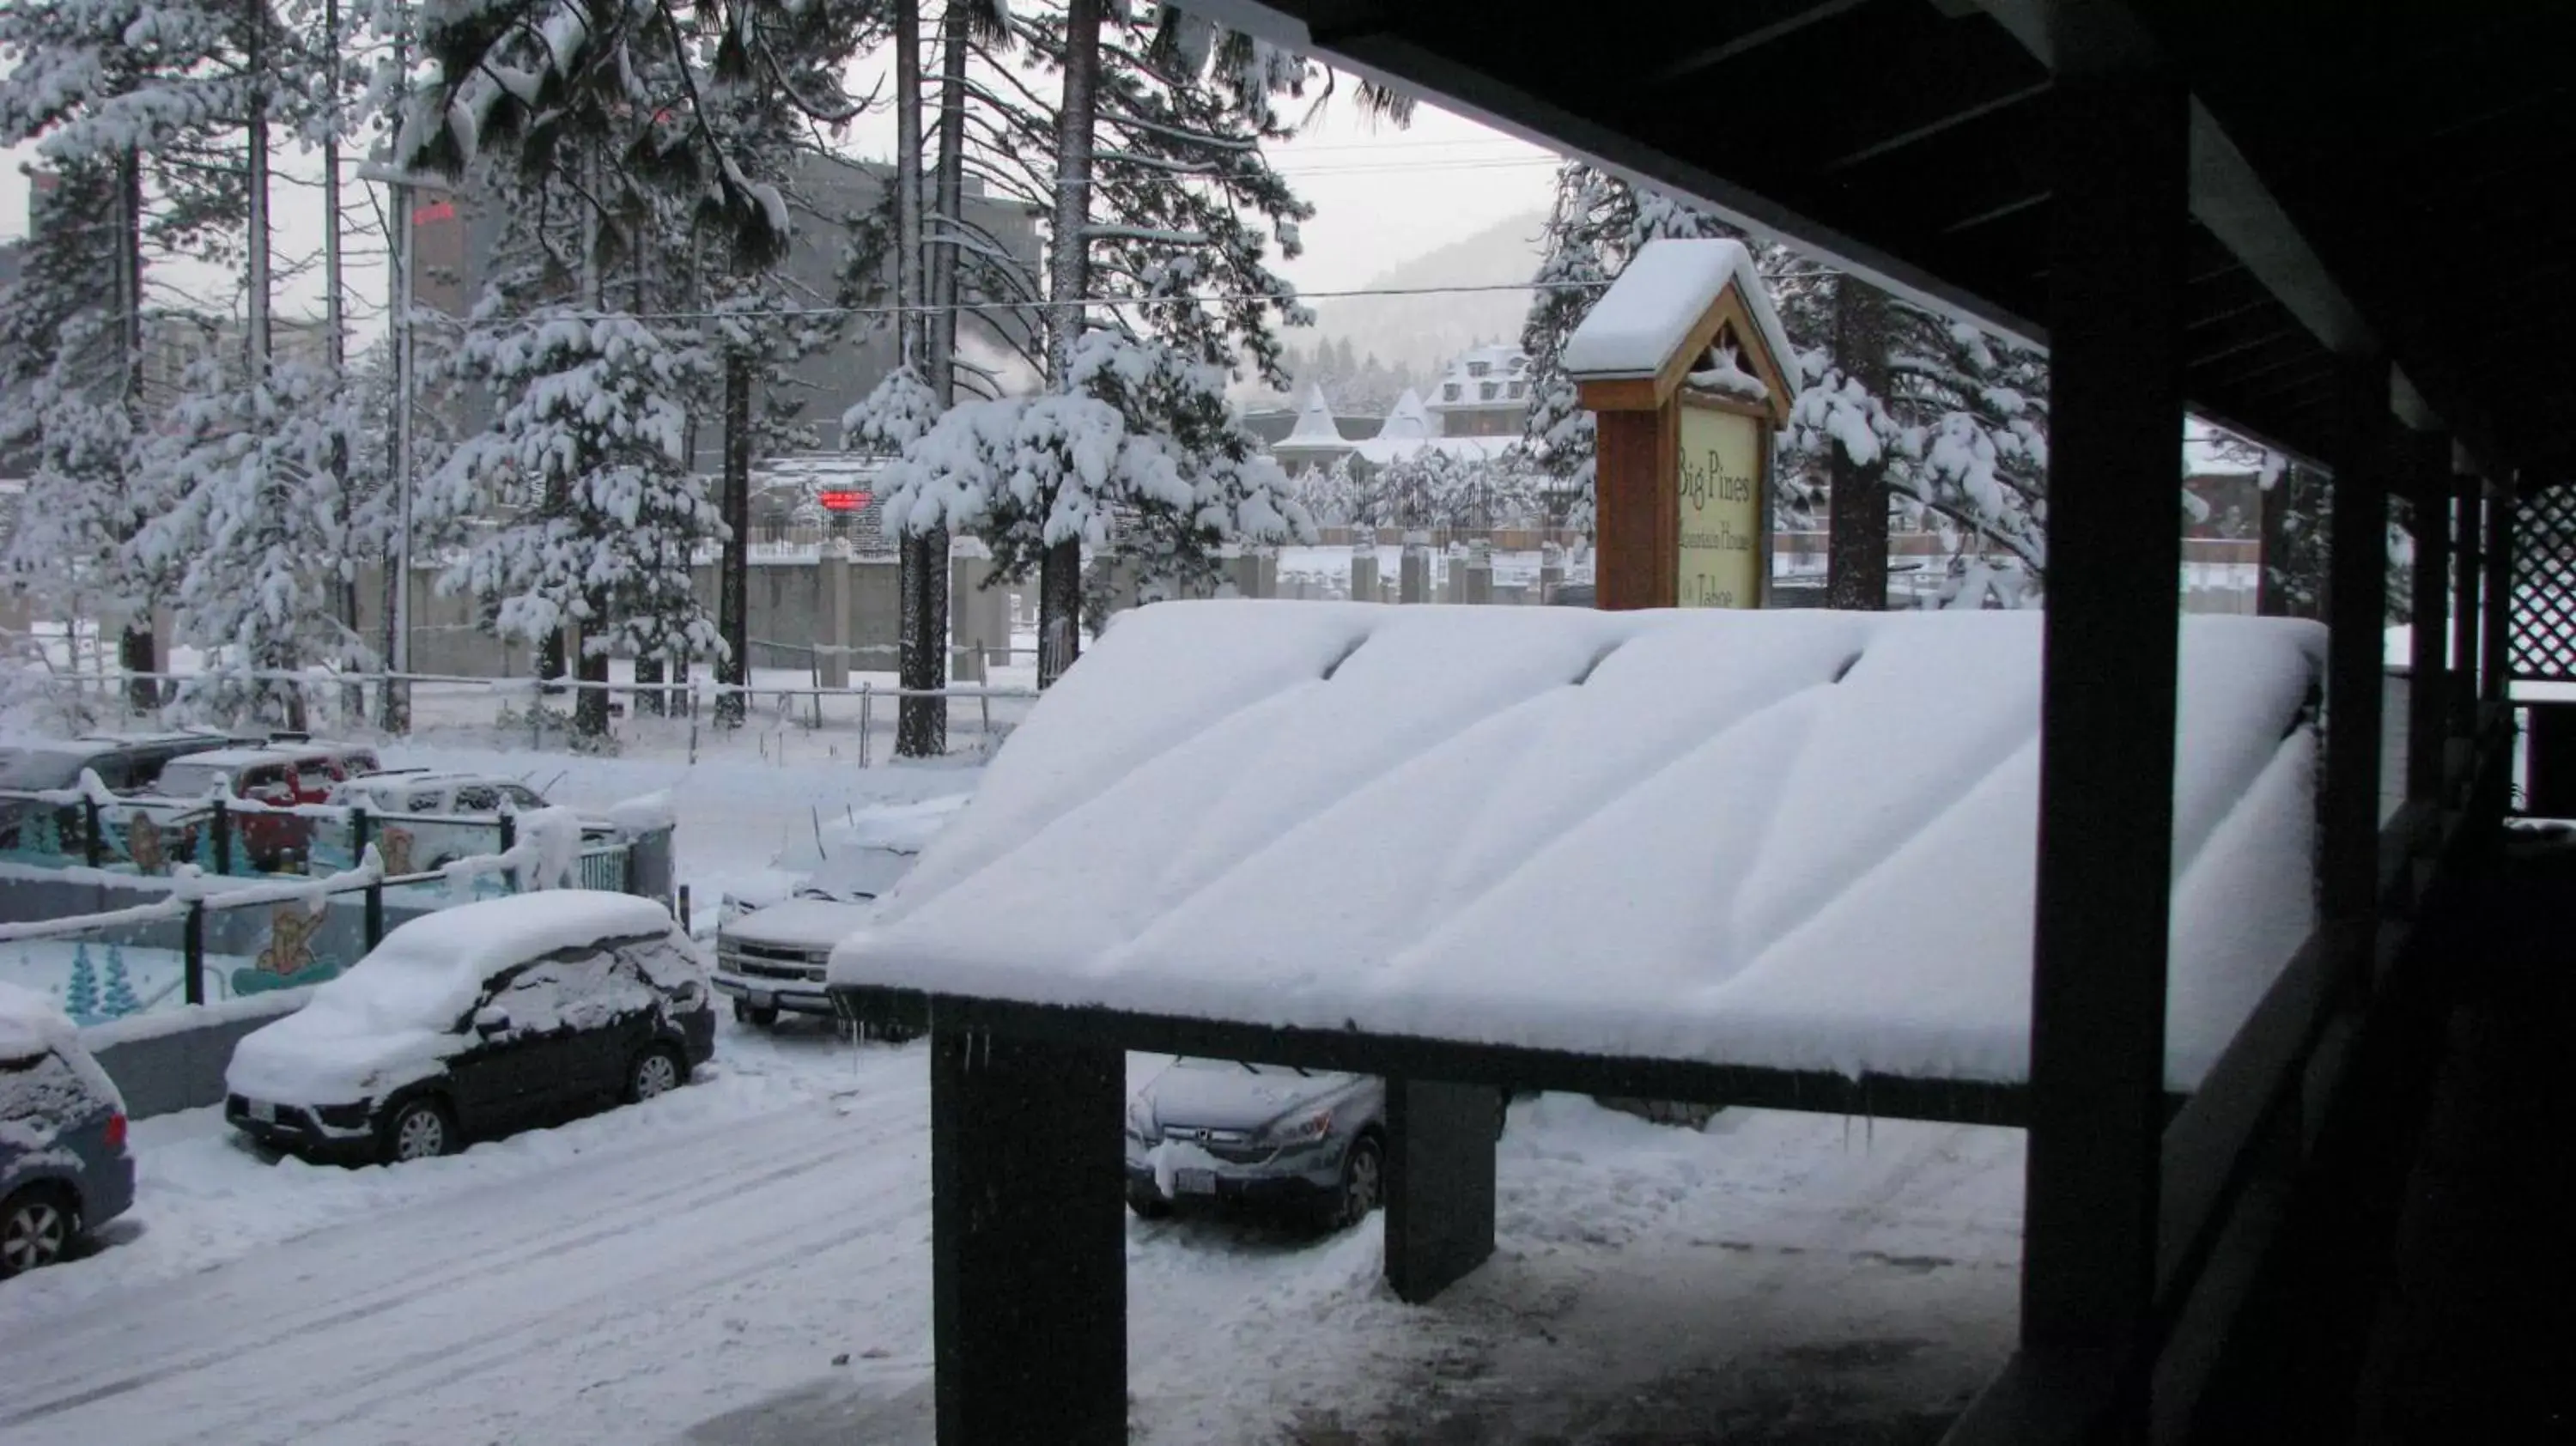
[748, 1261]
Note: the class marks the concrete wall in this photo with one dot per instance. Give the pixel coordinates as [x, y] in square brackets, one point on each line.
[788, 607]
[163, 1063]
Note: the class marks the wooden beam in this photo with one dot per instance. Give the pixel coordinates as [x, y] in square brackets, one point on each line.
[1789, 20]
[1871, 1096]
[2118, 139]
[1637, 561]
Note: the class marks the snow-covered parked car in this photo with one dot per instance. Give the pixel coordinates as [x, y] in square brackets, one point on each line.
[470, 1020]
[64, 1168]
[418, 837]
[1216, 1131]
[775, 957]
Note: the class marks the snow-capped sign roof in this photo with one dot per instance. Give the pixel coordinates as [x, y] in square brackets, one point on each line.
[1315, 427]
[1793, 840]
[1665, 295]
[1408, 421]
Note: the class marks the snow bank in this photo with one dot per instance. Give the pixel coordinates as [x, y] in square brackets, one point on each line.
[651, 813]
[30, 1024]
[1792, 839]
[391, 1017]
[58, 1091]
[1668, 286]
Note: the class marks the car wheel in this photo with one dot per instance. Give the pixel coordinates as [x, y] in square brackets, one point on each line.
[419, 1130]
[758, 1018]
[657, 1071]
[1147, 1204]
[37, 1226]
[1363, 1183]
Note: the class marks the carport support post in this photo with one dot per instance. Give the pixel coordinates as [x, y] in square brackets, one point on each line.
[1439, 1184]
[2467, 572]
[2106, 751]
[1028, 1241]
[2428, 683]
[2356, 655]
[2496, 684]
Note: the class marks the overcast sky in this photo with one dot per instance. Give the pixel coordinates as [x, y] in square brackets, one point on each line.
[1382, 194]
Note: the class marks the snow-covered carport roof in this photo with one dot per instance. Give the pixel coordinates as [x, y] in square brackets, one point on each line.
[1781, 858]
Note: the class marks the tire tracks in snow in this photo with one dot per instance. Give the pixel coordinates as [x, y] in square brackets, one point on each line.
[799, 1242]
[90, 1359]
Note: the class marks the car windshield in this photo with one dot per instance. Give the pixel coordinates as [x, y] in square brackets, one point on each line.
[43, 768]
[184, 779]
[858, 875]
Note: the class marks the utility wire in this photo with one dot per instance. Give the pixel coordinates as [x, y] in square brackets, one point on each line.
[435, 316]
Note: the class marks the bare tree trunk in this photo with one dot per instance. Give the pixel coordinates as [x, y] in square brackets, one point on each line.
[396, 696]
[275, 654]
[353, 696]
[137, 650]
[1856, 535]
[2291, 580]
[1069, 272]
[733, 578]
[922, 633]
[590, 707]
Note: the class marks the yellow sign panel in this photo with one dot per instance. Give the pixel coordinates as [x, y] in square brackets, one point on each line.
[1721, 498]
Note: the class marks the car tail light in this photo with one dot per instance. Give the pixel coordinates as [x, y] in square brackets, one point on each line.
[116, 1130]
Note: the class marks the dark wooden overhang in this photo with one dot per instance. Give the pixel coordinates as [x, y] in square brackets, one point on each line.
[2365, 177]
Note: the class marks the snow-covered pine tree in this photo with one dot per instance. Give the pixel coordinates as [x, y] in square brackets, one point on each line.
[1411, 492]
[587, 466]
[1484, 493]
[260, 537]
[761, 319]
[122, 99]
[62, 408]
[1334, 496]
[252, 538]
[592, 124]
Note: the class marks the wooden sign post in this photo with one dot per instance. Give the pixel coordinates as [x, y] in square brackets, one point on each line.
[1688, 373]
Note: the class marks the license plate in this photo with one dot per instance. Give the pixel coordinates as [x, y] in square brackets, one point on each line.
[759, 998]
[263, 1111]
[1194, 1182]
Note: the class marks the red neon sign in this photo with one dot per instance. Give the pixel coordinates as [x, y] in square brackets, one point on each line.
[842, 499]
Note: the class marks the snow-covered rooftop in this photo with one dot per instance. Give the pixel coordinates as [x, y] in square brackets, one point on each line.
[1315, 426]
[1797, 840]
[1408, 421]
[1667, 287]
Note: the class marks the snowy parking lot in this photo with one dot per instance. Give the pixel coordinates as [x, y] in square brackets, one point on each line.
[748, 1260]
